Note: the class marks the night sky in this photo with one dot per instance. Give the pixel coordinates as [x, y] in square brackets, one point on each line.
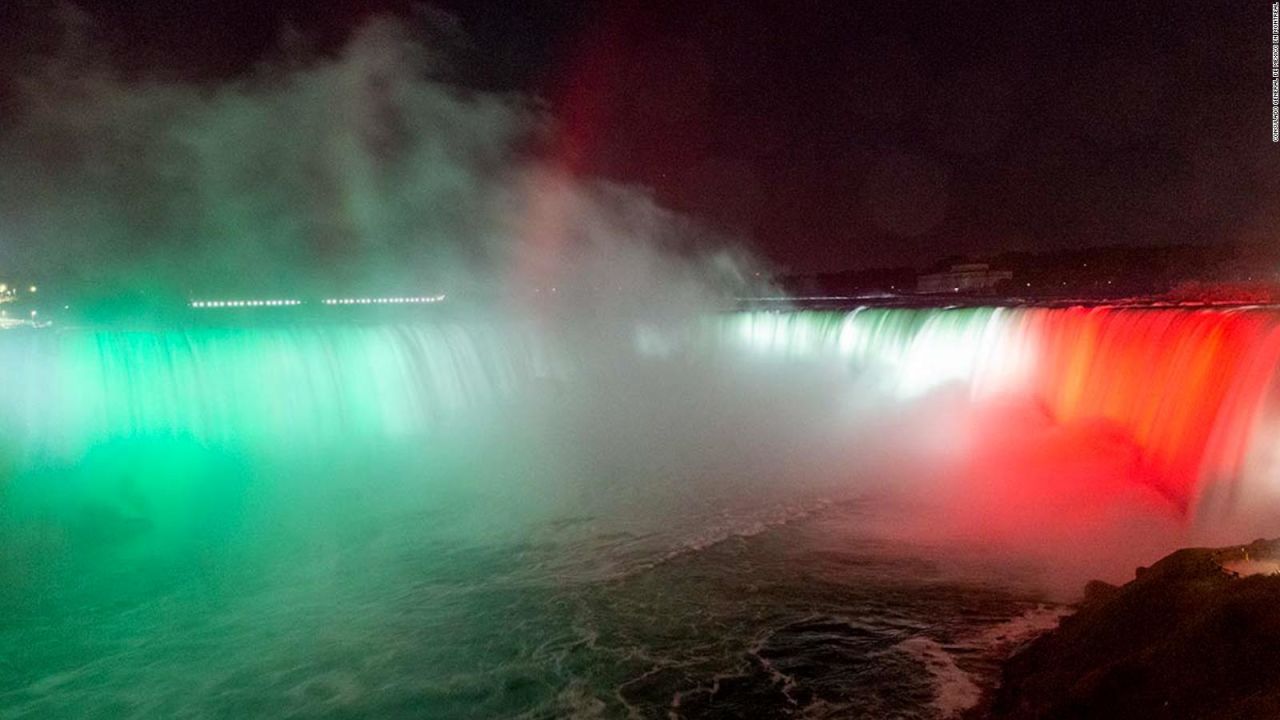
[833, 135]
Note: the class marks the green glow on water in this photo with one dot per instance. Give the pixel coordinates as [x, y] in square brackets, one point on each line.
[141, 446]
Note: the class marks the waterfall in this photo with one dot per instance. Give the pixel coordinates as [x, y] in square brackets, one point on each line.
[67, 391]
[1190, 388]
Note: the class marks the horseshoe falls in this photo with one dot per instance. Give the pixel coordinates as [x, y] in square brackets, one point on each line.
[701, 519]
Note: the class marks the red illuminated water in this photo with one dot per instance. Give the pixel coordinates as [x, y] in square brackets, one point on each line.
[1183, 394]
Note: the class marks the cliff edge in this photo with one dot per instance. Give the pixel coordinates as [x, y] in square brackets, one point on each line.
[1196, 635]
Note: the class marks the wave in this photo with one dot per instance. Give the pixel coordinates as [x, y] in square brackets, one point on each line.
[957, 690]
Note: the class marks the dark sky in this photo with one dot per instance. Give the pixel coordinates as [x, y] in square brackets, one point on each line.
[844, 134]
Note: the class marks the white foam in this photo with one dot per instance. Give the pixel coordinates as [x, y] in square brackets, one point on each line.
[1013, 633]
[577, 702]
[954, 689]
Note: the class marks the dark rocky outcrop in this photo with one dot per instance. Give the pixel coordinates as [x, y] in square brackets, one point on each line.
[1197, 635]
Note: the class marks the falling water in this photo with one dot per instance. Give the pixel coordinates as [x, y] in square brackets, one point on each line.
[1190, 388]
[65, 392]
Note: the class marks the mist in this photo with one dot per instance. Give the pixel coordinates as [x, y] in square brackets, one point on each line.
[310, 175]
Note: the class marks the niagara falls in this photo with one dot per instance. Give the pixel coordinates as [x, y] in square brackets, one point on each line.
[584, 360]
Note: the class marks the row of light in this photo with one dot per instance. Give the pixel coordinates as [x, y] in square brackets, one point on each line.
[385, 301]
[242, 303]
[327, 301]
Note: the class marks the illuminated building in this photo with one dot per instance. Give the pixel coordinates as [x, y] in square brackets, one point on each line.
[966, 278]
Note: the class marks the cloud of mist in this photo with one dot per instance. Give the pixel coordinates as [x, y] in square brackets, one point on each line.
[361, 172]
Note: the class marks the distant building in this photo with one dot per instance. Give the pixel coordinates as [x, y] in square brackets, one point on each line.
[966, 278]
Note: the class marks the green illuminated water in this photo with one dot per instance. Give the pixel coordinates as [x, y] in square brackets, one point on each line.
[273, 387]
[133, 464]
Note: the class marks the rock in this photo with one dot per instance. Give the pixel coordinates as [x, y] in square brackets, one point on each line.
[1187, 638]
[1096, 591]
